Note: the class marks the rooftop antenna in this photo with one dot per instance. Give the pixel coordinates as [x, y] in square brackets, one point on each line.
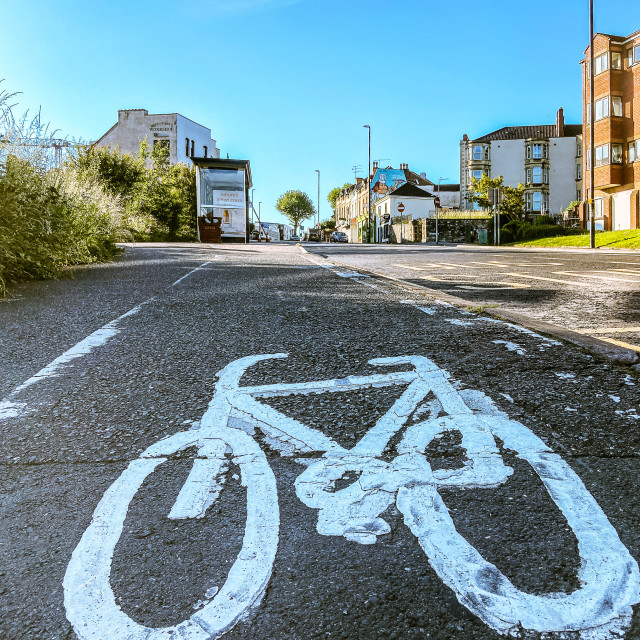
[356, 168]
[379, 160]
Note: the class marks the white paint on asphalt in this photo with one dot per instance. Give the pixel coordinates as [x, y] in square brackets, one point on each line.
[98, 338]
[83, 348]
[10, 409]
[512, 346]
[600, 609]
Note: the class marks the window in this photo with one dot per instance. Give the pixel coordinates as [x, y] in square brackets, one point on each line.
[616, 60]
[186, 146]
[602, 108]
[536, 201]
[528, 152]
[537, 175]
[205, 150]
[636, 54]
[477, 152]
[616, 153]
[629, 57]
[579, 150]
[602, 63]
[578, 195]
[477, 174]
[537, 151]
[486, 153]
[161, 143]
[616, 106]
[193, 148]
[578, 172]
[528, 176]
[602, 155]
[633, 151]
[546, 175]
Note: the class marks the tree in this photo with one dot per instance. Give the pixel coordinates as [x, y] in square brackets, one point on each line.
[512, 205]
[328, 224]
[168, 193]
[296, 206]
[334, 194]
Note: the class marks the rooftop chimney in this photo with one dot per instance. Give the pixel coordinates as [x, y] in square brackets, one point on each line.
[560, 123]
[375, 164]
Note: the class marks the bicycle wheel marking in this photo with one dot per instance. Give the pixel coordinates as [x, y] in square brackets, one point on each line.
[599, 610]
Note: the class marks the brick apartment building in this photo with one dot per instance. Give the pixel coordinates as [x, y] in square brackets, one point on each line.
[616, 131]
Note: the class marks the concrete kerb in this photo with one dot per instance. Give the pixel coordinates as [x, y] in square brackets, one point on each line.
[594, 345]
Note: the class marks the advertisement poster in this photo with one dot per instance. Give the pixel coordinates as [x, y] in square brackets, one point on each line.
[386, 180]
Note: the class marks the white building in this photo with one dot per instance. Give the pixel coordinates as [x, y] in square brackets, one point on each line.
[546, 159]
[184, 137]
[407, 202]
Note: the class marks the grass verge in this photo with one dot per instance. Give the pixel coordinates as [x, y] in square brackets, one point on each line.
[604, 239]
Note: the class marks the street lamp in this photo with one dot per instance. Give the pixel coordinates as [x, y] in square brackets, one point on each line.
[318, 172]
[592, 110]
[252, 205]
[366, 126]
[439, 181]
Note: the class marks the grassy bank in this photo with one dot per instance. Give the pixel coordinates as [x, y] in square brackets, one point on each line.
[604, 239]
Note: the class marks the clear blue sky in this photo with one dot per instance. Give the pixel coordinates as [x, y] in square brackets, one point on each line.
[288, 84]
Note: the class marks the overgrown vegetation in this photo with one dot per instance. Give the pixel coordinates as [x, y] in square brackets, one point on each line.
[52, 217]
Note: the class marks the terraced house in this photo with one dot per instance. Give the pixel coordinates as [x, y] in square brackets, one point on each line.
[616, 131]
[545, 158]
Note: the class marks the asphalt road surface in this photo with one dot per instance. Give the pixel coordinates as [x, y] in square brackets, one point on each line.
[391, 467]
[593, 292]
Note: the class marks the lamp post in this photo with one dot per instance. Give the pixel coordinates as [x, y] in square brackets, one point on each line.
[439, 181]
[252, 207]
[592, 111]
[318, 172]
[366, 126]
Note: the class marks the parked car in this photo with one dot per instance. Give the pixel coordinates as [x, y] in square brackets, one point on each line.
[315, 235]
[338, 236]
[295, 238]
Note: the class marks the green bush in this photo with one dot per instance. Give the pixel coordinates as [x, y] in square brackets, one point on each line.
[51, 219]
[543, 220]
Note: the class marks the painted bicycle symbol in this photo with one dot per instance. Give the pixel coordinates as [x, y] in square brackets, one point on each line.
[609, 576]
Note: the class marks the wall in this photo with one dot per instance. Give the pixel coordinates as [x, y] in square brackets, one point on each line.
[507, 160]
[562, 173]
[135, 125]
[200, 135]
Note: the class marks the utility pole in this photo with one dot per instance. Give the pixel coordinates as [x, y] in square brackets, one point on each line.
[592, 137]
[366, 126]
[318, 172]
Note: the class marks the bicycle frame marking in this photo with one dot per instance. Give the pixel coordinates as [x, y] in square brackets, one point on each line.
[600, 609]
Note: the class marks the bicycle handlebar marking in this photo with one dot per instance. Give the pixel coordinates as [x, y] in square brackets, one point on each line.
[608, 574]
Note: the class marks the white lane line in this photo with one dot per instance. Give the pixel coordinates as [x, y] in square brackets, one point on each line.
[9, 409]
[426, 267]
[586, 275]
[523, 275]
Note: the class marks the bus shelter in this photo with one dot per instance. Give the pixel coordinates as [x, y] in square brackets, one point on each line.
[222, 192]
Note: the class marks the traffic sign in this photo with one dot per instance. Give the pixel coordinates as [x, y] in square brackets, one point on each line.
[400, 207]
[437, 202]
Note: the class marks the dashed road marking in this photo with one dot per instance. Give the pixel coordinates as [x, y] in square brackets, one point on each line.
[588, 275]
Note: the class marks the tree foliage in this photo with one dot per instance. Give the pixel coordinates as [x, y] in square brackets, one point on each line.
[121, 174]
[512, 205]
[296, 206]
[328, 224]
[168, 194]
[334, 194]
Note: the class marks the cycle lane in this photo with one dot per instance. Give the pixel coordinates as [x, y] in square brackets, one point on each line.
[129, 397]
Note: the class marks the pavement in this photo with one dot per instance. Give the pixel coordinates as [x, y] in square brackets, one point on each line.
[480, 481]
